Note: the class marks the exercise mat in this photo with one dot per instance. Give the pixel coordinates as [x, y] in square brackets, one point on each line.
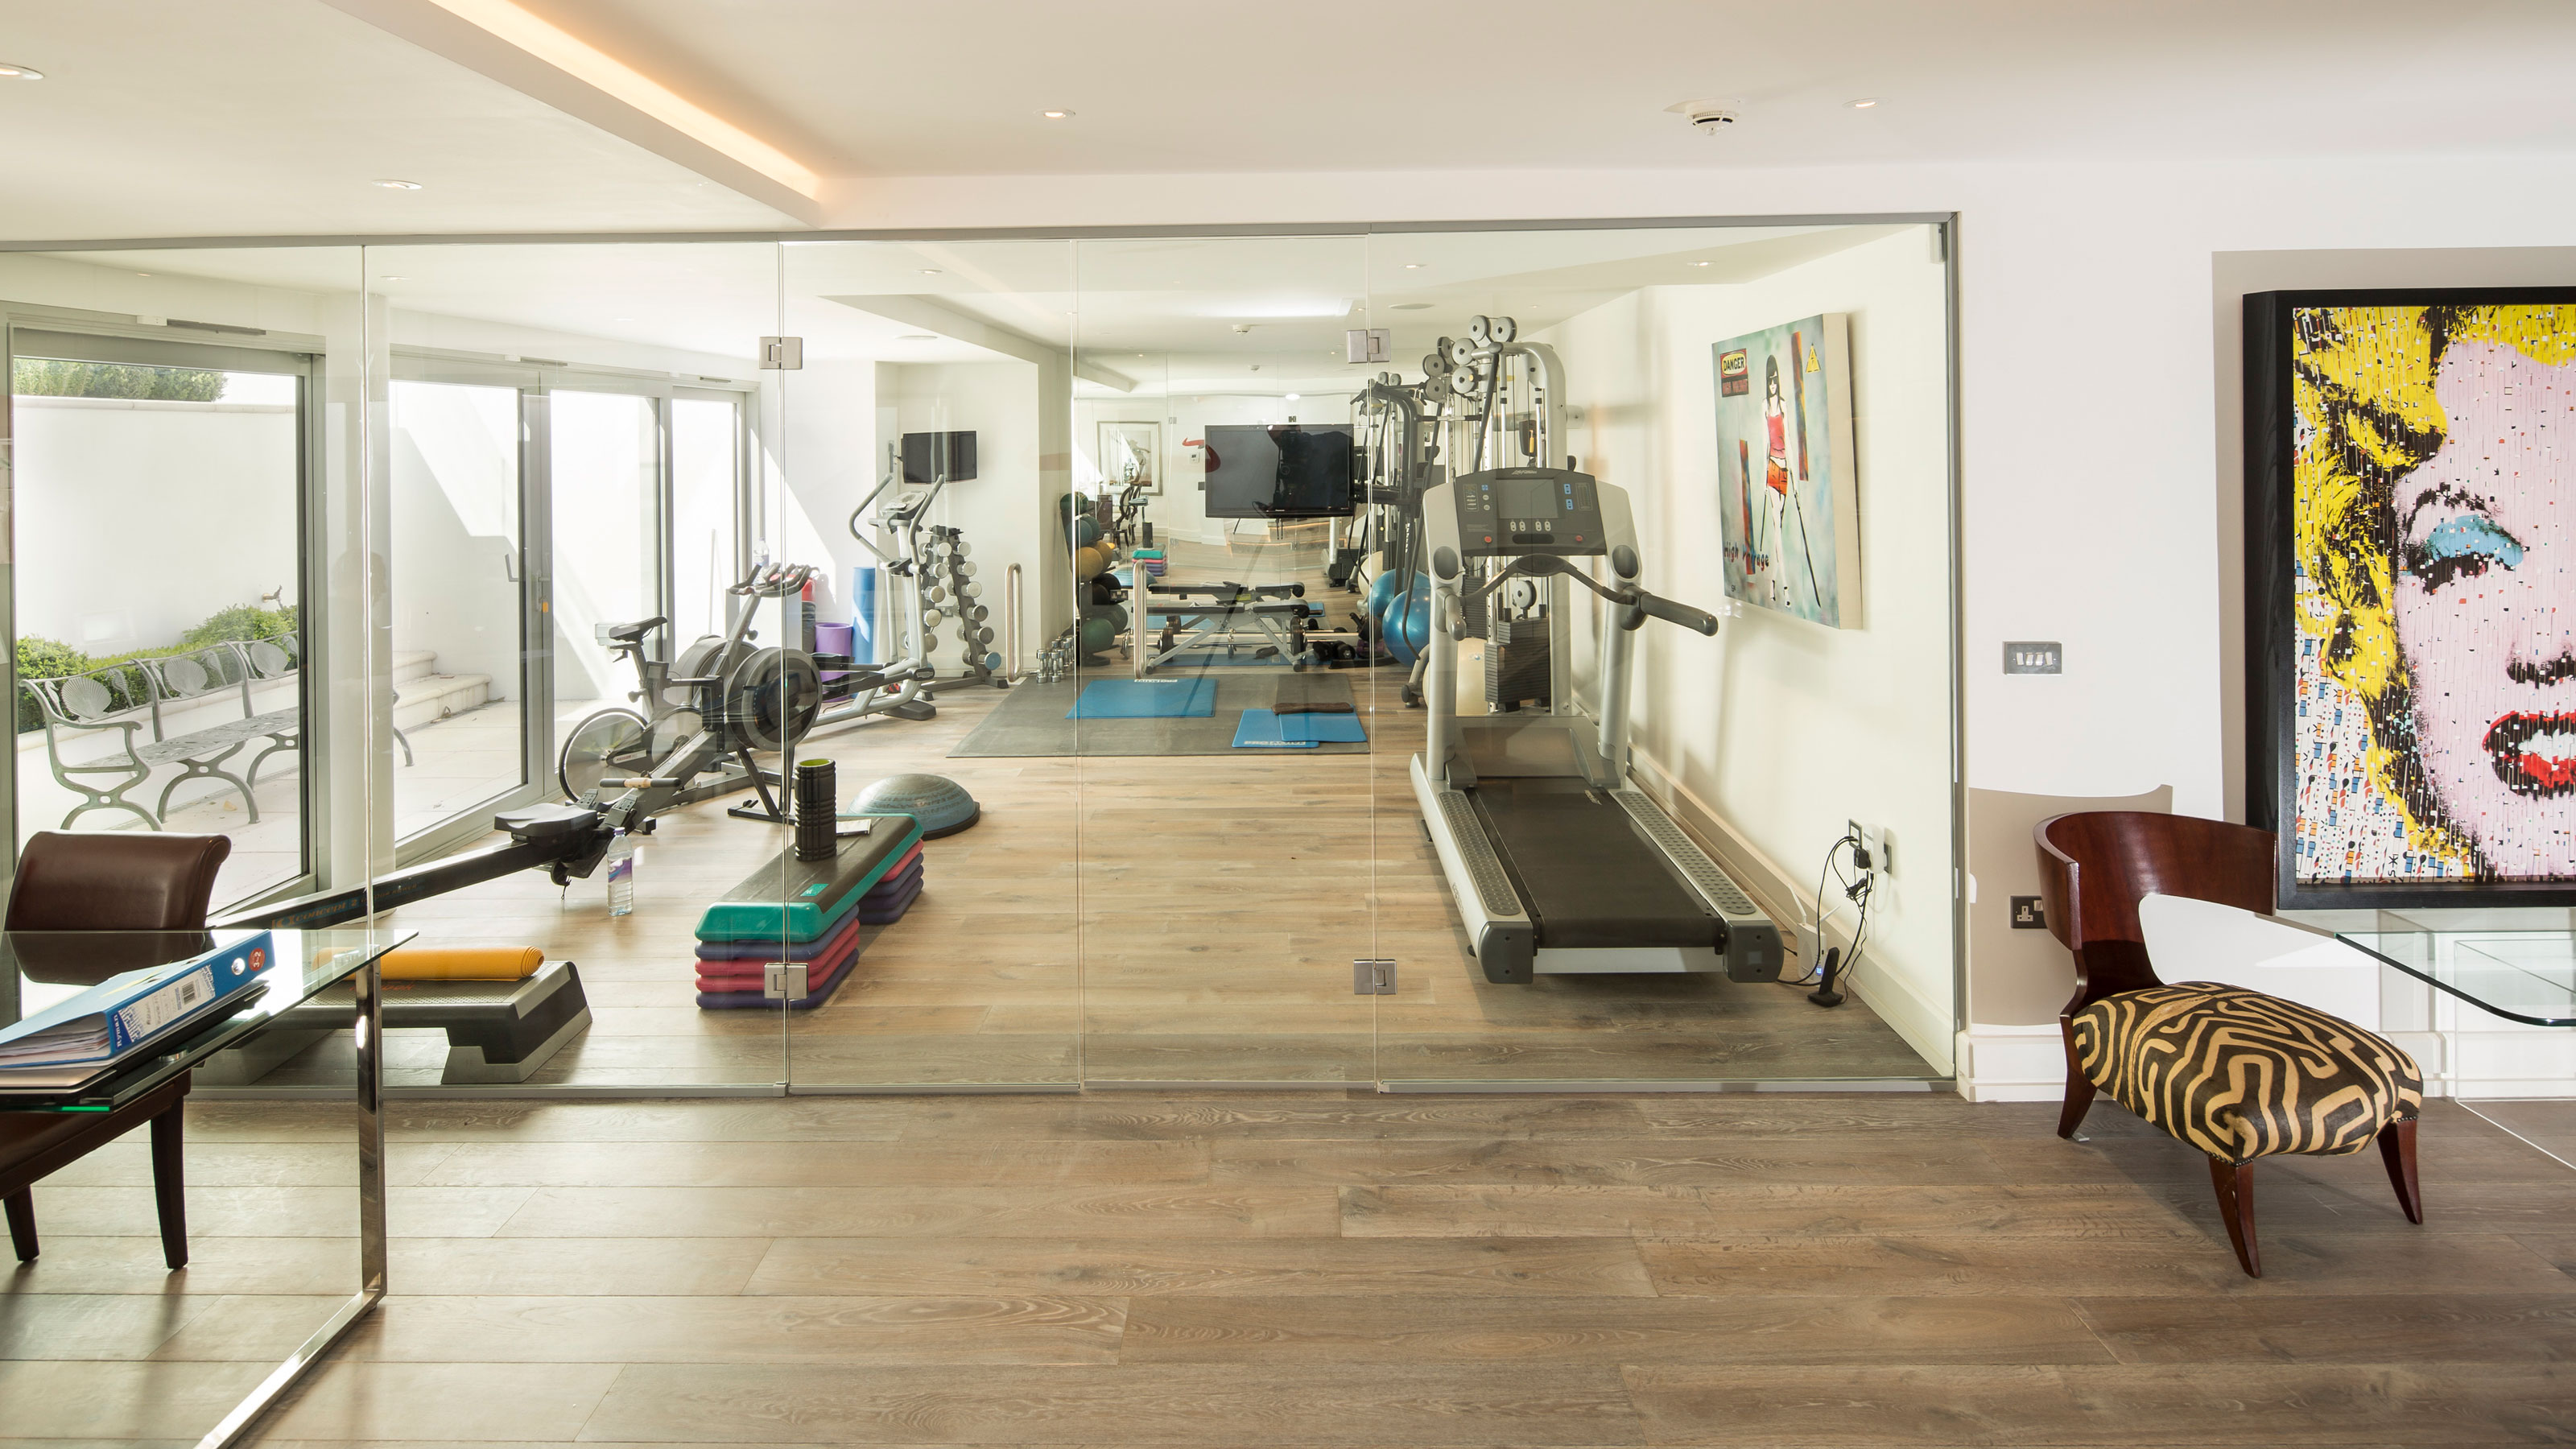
[1259, 730]
[1169, 697]
[1030, 722]
[461, 963]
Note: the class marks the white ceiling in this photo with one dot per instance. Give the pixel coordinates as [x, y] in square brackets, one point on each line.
[862, 88]
[269, 117]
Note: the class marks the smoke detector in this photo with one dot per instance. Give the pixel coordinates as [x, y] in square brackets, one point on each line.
[1708, 117]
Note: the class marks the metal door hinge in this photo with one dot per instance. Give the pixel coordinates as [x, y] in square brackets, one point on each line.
[1372, 978]
[782, 354]
[783, 981]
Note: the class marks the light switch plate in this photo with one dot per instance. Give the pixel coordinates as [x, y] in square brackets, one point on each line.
[2034, 656]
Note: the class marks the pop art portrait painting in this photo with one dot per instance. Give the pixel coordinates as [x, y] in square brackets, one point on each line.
[2411, 511]
[1788, 504]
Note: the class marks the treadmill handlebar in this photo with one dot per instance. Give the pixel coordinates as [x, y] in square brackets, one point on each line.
[1640, 604]
[1675, 613]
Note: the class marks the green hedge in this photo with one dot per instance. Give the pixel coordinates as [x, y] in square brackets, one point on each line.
[52, 659]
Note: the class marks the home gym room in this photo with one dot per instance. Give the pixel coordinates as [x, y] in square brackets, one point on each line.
[1176, 836]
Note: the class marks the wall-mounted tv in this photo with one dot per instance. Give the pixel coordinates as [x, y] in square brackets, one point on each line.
[1282, 471]
[929, 457]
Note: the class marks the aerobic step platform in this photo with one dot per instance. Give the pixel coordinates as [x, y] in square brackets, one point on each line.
[796, 900]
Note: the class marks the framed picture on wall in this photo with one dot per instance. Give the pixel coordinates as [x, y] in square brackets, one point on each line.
[1788, 500]
[1131, 453]
[2410, 587]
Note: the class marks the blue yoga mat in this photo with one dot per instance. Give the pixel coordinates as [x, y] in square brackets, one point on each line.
[1323, 729]
[1259, 730]
[1145, 699]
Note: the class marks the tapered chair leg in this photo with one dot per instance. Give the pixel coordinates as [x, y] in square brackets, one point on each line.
[2079, 1090]
[2235, 1184]
[22, 1223]
[169, 1187]
[2397, 1149]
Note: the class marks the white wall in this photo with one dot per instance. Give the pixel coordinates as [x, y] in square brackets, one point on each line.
[455, 529]
[138, 519]
[1786, 729]
[1003, 508]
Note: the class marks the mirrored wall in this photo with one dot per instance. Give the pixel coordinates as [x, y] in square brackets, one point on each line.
[1409, 658]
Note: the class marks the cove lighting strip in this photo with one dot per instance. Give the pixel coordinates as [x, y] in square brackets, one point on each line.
[582, 61]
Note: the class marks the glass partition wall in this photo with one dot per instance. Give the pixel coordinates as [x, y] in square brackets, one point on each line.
[1103, 576]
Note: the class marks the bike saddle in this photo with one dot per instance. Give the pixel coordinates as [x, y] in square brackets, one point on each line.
[635, 632]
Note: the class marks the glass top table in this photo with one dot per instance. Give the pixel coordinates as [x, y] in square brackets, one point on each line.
[41, 968]
[2516, 964]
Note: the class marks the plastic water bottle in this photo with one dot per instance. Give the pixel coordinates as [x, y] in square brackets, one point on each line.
[621, 877]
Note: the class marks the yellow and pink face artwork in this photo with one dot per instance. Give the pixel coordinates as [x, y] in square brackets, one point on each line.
[2435, 473]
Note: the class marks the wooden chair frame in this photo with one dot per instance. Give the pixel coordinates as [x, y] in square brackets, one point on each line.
[2094, 868]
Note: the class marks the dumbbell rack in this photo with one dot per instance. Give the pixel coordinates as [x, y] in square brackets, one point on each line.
[948, 579]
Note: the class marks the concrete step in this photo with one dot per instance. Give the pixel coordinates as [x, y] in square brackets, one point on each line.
[411, 664]
[436, 696]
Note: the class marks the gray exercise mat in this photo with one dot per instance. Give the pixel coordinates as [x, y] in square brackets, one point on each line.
[1030, 719]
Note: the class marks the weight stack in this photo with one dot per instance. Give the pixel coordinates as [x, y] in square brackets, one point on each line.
[1516, 664]
[818, 808]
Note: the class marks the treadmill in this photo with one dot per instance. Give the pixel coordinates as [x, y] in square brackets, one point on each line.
[1558, 864]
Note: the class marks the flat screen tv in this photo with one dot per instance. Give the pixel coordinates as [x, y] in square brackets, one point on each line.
[1284, 471]
[929, 457]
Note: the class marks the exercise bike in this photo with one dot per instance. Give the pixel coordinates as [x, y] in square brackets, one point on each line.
[709, 710]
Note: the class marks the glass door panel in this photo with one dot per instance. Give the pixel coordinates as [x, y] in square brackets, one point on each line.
[457, 606]
[925, 446]
[1660, 865]
[618, 385]
[1229, 712]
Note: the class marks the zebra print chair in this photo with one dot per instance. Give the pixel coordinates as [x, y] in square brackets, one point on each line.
[2236, 1073]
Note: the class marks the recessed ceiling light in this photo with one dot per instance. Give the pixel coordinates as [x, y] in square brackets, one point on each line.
[1057, 115]
[930, 271]
[1408, 306]
[1699, 264]
[1863, 104]
[20, 72]
[1413, 266]
[143, 274]
[1292, 397]
[392, 185]
[918, 337]
[393, 279]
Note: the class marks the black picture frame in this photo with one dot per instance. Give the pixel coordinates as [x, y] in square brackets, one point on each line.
[2271, 628]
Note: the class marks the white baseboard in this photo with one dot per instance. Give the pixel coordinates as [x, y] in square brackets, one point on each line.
[2012, 1063]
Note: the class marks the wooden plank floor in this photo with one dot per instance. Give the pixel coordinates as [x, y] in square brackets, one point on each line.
[1308, 1268]
[1128, 919]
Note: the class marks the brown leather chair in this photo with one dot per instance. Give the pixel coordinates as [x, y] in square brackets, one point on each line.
[2236, 1073]
[106, 881]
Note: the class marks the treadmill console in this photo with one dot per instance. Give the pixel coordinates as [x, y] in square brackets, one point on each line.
[1514, 512]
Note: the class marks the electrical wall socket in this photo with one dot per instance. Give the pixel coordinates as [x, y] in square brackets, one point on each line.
[1873, 839]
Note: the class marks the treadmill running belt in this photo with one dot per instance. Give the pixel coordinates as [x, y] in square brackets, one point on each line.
[1591, 877]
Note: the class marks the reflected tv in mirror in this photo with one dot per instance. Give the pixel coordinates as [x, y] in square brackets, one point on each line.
[1283, 471]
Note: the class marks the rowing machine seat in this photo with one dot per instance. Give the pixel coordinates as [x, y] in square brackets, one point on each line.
[546, 822]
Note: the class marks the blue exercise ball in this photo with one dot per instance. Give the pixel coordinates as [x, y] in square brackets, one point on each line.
[940, 805]
[1380, 594]
[1407, 626]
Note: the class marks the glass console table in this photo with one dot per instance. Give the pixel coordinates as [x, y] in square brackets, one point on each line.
[40, 968]
[2516, 964]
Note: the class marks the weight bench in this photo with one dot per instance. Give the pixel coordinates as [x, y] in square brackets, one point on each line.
[497, 1031]
[1272, 619]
